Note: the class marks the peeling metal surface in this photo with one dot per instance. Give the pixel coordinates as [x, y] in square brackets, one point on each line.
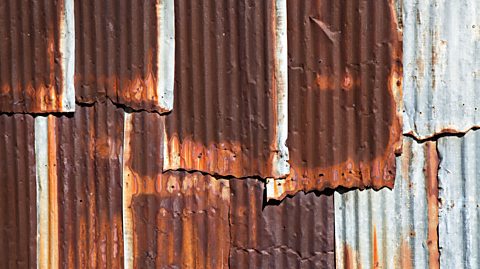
[174, 219]
[229, 115]
[392, 228]
[297, 233]
[125, 52]
[442, 66]
[459, 175]
[18, 206]
[344, 76]
[36, 59]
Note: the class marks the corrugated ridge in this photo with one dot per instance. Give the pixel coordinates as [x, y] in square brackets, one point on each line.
[116, 52]
[223, 121]
[459, 206]
[18, 230]
[297, 233]
[442, 43]
[89, 148]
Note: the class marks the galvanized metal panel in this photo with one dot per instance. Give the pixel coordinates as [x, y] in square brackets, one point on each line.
[392, 228]
[459, 206]
[297, 233]
[229, 115]
[344, 77]
[17, 192]
[36, 56]
[125, 52]
[442, 66]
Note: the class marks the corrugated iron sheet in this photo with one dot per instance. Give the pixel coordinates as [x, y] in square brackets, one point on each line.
[442, 66]
[36, 56]
[392, 228]
[18, 228]
[174, 219]
[297, 233]
[229, 115]
[459, 206]
[344, 82]
[125, 52]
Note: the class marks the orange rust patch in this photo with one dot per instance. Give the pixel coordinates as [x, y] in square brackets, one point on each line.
[432, 200]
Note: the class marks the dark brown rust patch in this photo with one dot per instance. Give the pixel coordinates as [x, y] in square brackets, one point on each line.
[30, 59]
[431, 169]
[224, 117]
[344, 76]
[116, 49]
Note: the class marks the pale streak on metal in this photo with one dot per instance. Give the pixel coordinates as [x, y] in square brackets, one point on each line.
[67, 49]
[441, 66]
[127, 185]
[166, 53]
[387, 228]
[281, 167]
[459, 184]
[47, 208]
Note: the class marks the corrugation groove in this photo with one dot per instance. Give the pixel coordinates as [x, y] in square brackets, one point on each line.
[297, 233]
[116, 52]
[31, 77]
[18, 207]
[344, 75]
[89, 148]
[223, 121]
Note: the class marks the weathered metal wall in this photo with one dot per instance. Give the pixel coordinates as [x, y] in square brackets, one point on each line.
[36, 56]
[442, 66]
[18, 228]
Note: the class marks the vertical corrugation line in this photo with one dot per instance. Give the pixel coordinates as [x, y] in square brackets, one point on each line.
[124, 52]
[297, 233]
[229, 89]
[88, 155]
[18, 192]
[459, 207]
[344, 83]
[442, 44]
[35, 73]
[392, 228]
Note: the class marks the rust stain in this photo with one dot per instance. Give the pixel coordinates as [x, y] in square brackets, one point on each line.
[375, 260]
[350, 258]
[405, 255]
[432, 199]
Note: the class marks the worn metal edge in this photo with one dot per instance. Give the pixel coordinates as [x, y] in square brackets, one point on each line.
[281, 167]
[127, 184]
[46, 188]
[67, 50]
[166, 53]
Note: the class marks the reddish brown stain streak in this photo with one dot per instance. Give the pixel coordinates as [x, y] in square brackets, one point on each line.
[405, 256]
[375, 260]
[431, 168]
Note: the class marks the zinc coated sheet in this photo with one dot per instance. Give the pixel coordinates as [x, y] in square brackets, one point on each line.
[18, 228]
[297, 233]
[344, 83]
[392, 228]
[459, 176]
[36, 56]
[125, 52]
[229, 115]
[442, 66]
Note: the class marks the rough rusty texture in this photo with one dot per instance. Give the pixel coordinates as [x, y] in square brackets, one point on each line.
[89, 148]
[30, 59]
[431, 172]
[179, 219]
[223, 120]
[345, 74]
[297, 233]
[18, 192]
[116, 49]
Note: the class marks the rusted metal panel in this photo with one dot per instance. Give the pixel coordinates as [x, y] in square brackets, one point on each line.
[125, 52]
[344, 82]
[297, 233]
[458, 177]
[172, 219]
[442, 66]
[17, 178]
[392, 228]
[36, 56]
[88, 159]
[229, 115]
